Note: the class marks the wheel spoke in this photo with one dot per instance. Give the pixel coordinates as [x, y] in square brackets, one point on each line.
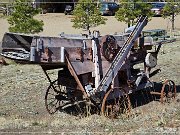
[50, 98]
[51, 94]
[115, 106]
[168, 91]
[52, 102]
[60, 94]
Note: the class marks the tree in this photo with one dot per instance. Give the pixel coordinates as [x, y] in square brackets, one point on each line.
[171, 9]
[130, 10]
[22, 21]
[86, 15]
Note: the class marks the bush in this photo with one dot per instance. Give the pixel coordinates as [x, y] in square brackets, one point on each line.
[22, 21]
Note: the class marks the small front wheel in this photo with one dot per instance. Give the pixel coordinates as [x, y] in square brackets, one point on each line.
[113, 106]
[168, 91]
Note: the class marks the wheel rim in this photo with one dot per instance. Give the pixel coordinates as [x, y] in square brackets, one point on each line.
[55, 97]
[168, 91]
[117, 106]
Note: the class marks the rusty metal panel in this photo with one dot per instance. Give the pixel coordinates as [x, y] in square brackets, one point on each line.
[79, 54]
[80, 59]
[49, 49]
[59, 42]
[53, 52]
[14, 41]
[82, 68]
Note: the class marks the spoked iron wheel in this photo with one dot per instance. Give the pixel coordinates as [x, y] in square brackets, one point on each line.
[168, 91]
[113, 106]
[56, 97]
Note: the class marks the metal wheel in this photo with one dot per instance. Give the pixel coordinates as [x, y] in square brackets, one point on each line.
[109, 47]
[113, 106]
[168, 91]
[63, 94]
[150, 88]
[56, 97]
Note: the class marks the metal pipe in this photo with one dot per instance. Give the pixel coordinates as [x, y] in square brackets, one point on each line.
[33, 53]
[62, 55]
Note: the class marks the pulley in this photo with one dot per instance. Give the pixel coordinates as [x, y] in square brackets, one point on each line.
[151, 60]
[109, 47]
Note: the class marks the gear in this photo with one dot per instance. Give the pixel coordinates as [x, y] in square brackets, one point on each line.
[109, 47]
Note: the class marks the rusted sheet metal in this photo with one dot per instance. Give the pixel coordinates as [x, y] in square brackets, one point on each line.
[16, 46]
[14, 40]
[74, 74]
[82, 68]
[38, 49]
[49, 49]
[58, 42]
[56, 54]
[76, 54]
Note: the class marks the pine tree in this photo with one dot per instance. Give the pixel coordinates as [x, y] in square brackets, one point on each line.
[130, 10]
[86, 15]
[171, 10]
[22, 21]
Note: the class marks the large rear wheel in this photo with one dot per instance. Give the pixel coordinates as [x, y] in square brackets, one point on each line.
[56, 97]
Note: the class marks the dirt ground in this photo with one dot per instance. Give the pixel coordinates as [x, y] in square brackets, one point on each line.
[23, 87]
[54, 24]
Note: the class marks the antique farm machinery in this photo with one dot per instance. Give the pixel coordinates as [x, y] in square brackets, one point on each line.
[96, 70]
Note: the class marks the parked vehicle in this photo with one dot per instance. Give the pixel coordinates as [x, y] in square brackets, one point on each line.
[3, 10]
[6, 11]
[158, 35]
[68, 9]
[108, 8]
[157, 8]
[155, 34]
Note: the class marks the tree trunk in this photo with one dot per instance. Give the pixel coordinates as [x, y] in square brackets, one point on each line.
[173, 16]
[88, 27]
[129, 23]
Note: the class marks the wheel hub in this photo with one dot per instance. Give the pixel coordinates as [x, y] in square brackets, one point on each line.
[60, 97]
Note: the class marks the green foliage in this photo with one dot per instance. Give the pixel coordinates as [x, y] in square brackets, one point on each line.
[170, 10]
[22, 21]
[86, 15]
[130, 11]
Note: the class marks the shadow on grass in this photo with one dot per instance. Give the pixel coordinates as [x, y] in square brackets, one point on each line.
[80, 110]
[138, 98]
[143, 97]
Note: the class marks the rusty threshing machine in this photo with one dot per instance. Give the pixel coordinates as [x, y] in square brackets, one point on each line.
[94, 69]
